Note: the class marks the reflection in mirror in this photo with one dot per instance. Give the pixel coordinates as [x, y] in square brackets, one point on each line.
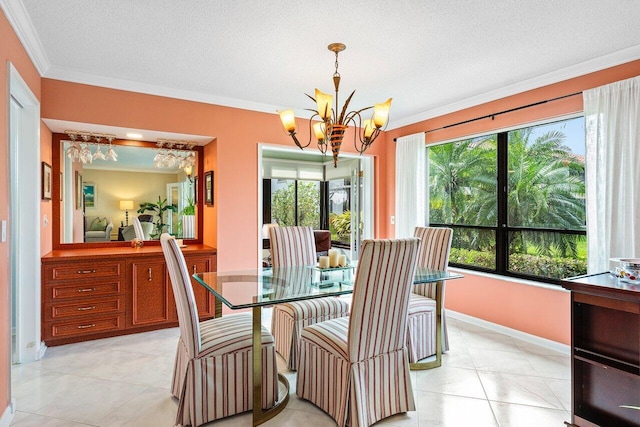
[100, 199]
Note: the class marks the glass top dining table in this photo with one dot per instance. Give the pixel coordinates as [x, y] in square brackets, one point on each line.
[277, 285]
[258, 288]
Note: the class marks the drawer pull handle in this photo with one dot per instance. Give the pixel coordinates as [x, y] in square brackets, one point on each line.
[194, 269]
[150, 274]
[87, 326]
[86, 271]
[87, 290]
[93, 307]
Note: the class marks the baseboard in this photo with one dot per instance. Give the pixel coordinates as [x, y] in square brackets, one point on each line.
[542, 342]
[7, 415]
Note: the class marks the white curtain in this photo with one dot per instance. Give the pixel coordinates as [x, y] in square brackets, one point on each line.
[612, 120]
[411, 184]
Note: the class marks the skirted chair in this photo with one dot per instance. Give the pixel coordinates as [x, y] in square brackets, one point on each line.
[212, 376]
[356, 368]
[137, 228]
[295, 246]
[435, 244]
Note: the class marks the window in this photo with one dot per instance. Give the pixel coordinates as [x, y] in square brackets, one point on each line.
[340, 211]
[535, 226]
[294, 202]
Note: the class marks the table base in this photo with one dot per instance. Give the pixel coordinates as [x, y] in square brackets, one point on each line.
[259, 415]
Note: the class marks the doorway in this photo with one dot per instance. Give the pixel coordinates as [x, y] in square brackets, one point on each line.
[24, 220]
[311, 187]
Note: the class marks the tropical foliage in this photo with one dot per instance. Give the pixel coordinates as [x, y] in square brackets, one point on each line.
[158, 208]
[283, 204]
[545, 190]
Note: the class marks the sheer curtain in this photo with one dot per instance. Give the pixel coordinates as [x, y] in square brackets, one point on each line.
[612, 120]
[411, 184]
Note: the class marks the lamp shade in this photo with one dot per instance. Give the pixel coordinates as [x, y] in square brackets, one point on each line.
[324, 102]
[368, 128]
[288, 120]
[126, 205]
[381, 113]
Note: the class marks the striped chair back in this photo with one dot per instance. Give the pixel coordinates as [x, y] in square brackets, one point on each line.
[293, 245]
[289, 281]
[435, 244]
[183, 293]
[137, 227]
[379, 308]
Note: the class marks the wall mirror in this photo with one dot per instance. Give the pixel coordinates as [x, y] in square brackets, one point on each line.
[95, 202]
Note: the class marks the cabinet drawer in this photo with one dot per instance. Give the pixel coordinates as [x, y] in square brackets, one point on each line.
[83, 308]
[83, 290]
[85, 327]
[85, 271]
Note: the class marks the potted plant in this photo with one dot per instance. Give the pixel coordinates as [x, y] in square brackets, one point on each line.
[189, 219]
[158, 208]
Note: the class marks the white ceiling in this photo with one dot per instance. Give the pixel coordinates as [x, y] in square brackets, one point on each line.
[431, 56]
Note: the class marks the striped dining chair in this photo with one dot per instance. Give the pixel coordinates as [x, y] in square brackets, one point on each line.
[295, 246]
[212, 376]
[356, 368]
[435, 244]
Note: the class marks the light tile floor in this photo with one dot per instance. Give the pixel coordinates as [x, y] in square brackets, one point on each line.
[487, 379]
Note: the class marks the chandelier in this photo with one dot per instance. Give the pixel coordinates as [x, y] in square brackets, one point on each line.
[331, 126]
[79, 150]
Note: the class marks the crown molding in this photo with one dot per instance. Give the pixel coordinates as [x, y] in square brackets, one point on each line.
[73, 76]
[21, 23]
[606, 61]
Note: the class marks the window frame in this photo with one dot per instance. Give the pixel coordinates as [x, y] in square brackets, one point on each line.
[502, 229]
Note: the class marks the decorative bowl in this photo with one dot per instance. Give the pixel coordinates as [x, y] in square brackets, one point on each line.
[629, 270]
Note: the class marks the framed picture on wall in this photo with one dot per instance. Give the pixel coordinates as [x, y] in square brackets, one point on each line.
[61, 186]
[78, 190]
[46, 181]
[90, 195]
[208, 188]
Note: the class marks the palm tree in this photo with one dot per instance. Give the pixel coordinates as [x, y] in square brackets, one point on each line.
[545, 190]
[462, 188]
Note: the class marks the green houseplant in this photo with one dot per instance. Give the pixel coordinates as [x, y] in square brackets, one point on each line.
[159, 208]
[188, 219]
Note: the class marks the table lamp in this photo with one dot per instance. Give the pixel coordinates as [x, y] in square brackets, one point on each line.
[125, 205]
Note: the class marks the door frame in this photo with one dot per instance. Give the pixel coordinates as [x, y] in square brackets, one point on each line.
[24, 219]
[367, 194]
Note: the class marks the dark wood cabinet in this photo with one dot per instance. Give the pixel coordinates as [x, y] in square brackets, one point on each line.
[605, 350]
[101, 292]
[149, 293]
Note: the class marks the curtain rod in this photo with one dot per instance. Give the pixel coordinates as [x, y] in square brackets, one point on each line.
[511, 110]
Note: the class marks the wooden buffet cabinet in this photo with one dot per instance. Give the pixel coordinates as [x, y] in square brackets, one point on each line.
[102, 292]
[605, 351]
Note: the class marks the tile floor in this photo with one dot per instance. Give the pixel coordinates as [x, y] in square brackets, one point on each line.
[487, 379]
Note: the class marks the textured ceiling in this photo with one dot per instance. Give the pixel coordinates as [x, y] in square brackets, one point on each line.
[431, 56]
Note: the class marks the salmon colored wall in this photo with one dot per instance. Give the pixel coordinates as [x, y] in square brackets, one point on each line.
[535, 310]
[210, 229]
[231, 224]
[10, 51]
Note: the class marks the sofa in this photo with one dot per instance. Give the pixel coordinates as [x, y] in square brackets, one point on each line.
[97, 229]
